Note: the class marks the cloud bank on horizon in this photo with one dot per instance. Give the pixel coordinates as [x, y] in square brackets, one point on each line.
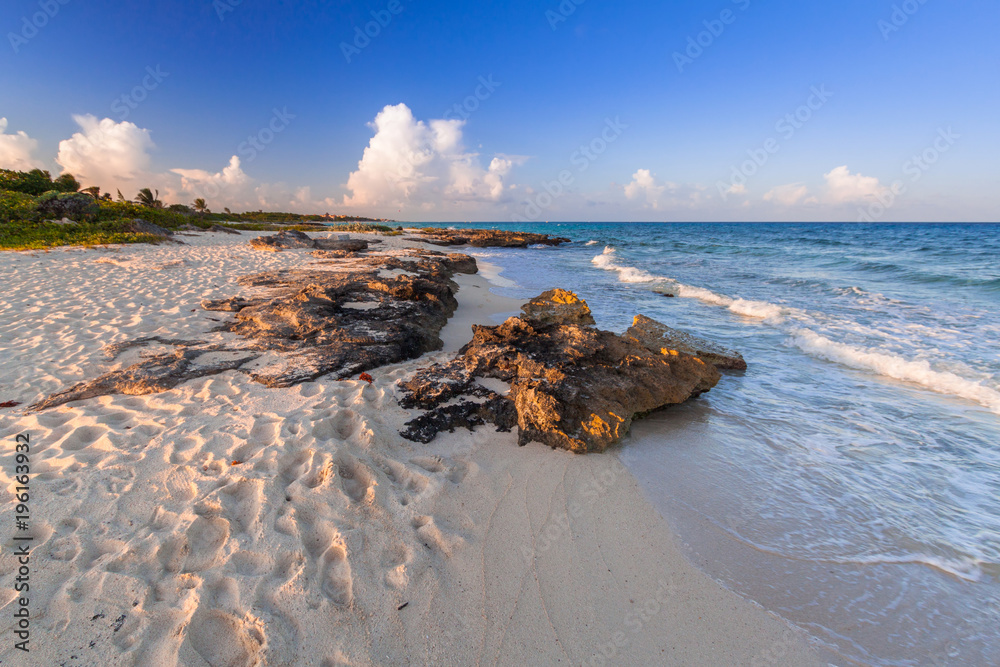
[419, 169]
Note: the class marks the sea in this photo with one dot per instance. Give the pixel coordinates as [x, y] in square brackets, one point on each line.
[849, 481]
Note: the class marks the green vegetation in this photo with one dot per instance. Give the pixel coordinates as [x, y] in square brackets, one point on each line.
[31, 203]
[22, 235]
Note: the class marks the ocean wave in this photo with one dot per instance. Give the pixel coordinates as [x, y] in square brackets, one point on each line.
[745, 307]
[591, 243]
[896, 367]
[626, 274]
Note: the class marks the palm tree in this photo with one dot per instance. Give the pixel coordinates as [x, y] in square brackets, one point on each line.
[94, 191]
[148, 199]
[199, 205]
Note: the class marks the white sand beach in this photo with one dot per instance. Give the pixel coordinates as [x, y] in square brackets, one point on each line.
[226, 523]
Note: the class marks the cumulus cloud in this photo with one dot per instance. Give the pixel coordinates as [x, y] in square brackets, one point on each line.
[787, 195]
[843, 187]
[645, 189]
[229, 185]
[643, 183]
[16, 150]
[105, 153]
[412, 162]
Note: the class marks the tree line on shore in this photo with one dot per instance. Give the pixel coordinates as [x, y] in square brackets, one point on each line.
[38, 211]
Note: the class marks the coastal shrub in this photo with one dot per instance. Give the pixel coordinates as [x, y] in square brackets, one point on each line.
[16, 206]
[36, 182]
[66, 183]
[113, 210]
[30, 235]
[359, 227]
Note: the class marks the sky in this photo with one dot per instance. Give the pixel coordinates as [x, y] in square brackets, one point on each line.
[540, 110]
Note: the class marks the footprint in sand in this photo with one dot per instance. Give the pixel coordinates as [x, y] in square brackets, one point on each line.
[320, 472]
[243, 500]
[433, 538]
[66, 544]
[429, 463]
[205, 537]
[184, 449]
[356, 478]
[341, 426]
[83, 437]
[295, 464]
[174, 601]
[404, 478]
[335, 576]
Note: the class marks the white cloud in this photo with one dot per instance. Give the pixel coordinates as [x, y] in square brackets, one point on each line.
[843, 187]
[652, 194]
[16, 150]
[411, 162]
[644, 183]
[787, 195]
[228, 186]
[109, 154]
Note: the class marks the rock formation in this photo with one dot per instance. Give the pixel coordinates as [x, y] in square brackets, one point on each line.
[486, 238]
[573, 386]
[329, 320]
[659, 338]
[291, 239]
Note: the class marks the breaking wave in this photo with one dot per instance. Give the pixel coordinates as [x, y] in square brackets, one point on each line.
[899, 368]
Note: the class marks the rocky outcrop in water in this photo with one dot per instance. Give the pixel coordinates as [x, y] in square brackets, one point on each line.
[660, 338]
[339, 320]
[486, 238]
[572, 386]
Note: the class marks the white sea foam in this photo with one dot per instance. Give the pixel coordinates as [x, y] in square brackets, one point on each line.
[591, 243]
[919, 372]
[744, 307]
[626, 274]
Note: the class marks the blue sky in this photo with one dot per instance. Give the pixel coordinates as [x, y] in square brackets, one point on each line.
[374, 135]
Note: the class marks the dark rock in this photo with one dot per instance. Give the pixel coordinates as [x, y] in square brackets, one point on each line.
[223, 230]
[154, 374]
[310, 321]
[485, 238]
[660, 338]
[284, 240]
[353, 245]
[138, 226]
[497, 410]
[66, 205]
[573, 386]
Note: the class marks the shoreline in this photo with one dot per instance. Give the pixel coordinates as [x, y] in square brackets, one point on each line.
[469, 550]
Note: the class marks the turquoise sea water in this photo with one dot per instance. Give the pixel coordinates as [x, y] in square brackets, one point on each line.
[850, 480]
